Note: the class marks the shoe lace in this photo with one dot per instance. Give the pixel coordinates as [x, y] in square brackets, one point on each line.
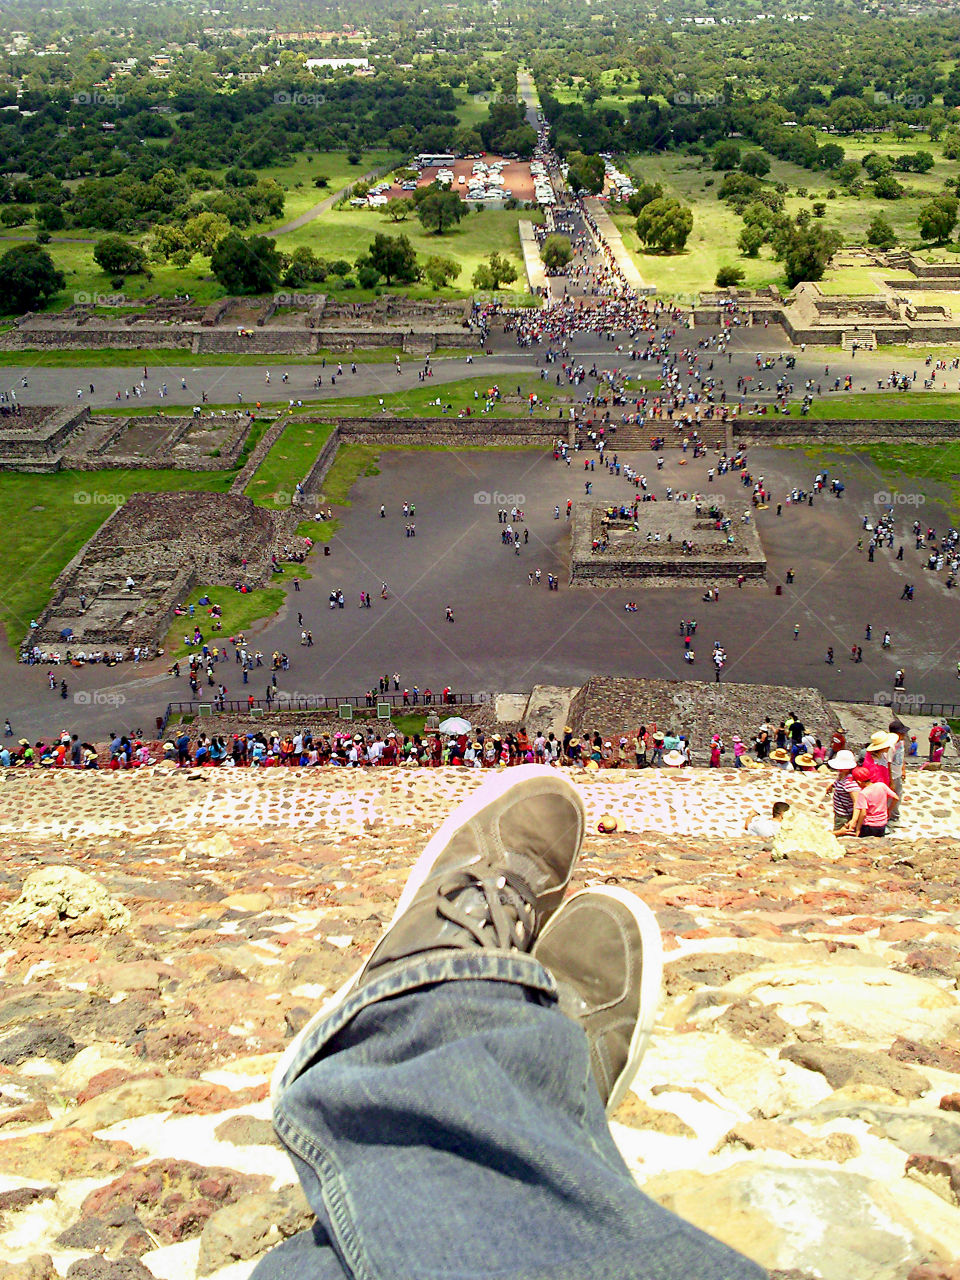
[496, 909]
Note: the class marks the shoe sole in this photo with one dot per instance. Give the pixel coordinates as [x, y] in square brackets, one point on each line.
[651, 975]
[492, 789]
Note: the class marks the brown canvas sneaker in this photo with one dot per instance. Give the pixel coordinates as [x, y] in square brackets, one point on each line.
[603, 948]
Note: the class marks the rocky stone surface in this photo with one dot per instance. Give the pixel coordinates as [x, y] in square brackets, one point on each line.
[800, 1097]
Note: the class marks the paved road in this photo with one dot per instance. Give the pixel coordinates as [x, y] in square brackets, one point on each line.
[223, 383]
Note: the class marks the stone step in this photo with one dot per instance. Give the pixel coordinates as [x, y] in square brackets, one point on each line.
[548, 707]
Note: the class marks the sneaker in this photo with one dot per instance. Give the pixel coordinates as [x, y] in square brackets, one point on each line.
[495, 871]
[603, 948]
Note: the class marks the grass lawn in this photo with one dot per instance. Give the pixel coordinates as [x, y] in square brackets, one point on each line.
[409, 725]
[422, 400]
[347, 233]
[297, 178]
[713, 241]
[352, 462]
[289, 460]
[903, 461]
[887, 405]
[48, 518]
[169, 357]
[239, 613]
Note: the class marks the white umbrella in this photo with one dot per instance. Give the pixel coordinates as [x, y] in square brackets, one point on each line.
[455, 725]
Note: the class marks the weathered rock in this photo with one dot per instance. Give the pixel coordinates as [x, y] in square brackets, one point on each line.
[942, 1177]
[37, 1267]
[708, 969]
[100, 1268]
[770, 1136]
[41, 1041]
[20, 1197]
[251, 1226]
[54, 897]
[636, 1113]
[122, 1233]
[834, 1224]
[246, 1131]
[173, 1198]
[943, 1057]
[751, 1021]
[31, 1113]
[950, 1102]
[840, 1066]
[935, 1271]
[63, 1154]
[143, 1096]
[805, 835]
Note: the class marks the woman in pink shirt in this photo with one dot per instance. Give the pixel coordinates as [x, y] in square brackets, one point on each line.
[870, 805]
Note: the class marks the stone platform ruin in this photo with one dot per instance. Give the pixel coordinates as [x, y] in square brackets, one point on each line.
[667, 542]
[71, 438]
[283, 324]
[167, 543]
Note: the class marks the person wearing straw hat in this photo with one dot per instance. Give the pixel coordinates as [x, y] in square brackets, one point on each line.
[780, 758]
[674, 759]
[805, 763]
[876, 756]
[898, 767]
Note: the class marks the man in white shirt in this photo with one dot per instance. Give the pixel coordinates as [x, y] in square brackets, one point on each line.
[766, 828]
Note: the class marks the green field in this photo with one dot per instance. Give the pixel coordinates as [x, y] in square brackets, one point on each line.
[348, 232]
[297, 178]
[172, 358]
[887, 405]
[287, 463]
[716, 227]
[238, 613]
[454, 396]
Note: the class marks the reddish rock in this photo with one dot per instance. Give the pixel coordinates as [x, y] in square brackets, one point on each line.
[940, 1176]
[206, 1099]
[950, 1102]
[172, 1198]
[943, 1057]
[936, 1271]
[65, 1153]
[38, 1267]
[104, 1081]
[31, 1113]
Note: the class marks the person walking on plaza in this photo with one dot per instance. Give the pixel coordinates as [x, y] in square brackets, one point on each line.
[454, 1092]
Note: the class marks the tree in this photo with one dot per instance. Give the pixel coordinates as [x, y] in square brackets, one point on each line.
[938, 218]
[646, 192]
[804, 251]
[585, 173]
[726, 154]
[28, 278]
[304, 268]
[728, 276]
[204, 231]
[496, 271]
[398, 210]
[888, 188]
[880, 233]
[754, 163]
[439, 210]
[556, 252]
[440, 271]
[250, 265]
[50, 217]
[664, 224]
[819, 208]
[118, 257]
[750, 240]
[830, 156]
[394, 258]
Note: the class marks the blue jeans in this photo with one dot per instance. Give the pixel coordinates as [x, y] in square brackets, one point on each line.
[445, 1124]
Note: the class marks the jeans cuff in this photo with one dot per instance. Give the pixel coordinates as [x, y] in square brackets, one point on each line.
[426, 970]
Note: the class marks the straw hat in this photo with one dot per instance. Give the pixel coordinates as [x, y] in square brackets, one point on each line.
[607, 824]
[843, 760]
[673, 758]
[882, 741]
[805, 761]
[780, 755]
